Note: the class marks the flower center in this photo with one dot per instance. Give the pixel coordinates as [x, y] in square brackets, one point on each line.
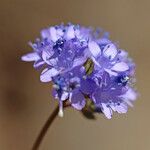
[122, 80]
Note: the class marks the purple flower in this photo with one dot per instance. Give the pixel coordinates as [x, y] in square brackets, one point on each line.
[107, 58]
[84, 63]
[112, 94]
[68, 86]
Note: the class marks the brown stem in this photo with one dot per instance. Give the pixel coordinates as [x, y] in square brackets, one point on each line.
[46, 126]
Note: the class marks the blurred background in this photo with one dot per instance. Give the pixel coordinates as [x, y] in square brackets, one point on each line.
[25, 103]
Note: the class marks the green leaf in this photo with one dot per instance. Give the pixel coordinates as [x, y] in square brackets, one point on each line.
[88, 114]
[89, 66]
[88, 110]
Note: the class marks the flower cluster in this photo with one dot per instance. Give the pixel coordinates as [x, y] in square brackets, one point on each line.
[82, 62]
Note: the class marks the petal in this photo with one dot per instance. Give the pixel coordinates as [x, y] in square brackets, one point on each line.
[97, 96]
[94, 48]
[88, 86]
[53, 61]
[122, 108]
[70, 34]
[123, 54]
[128, 102]
[53, 34]
[120, 67]
[111, 72]
[130, 95]
[79, 61]
[38, 64]
[47, 74]
[46, 55]
[110, 51]
[113, 107]
[30, 57]
[95, 62]
[77, 100]
[60, 32]
[107, 111]
[75, 80]
[106, 80]
[55, 94]
[64, 96]
[78, 34]
[45, 33]
[103, 41]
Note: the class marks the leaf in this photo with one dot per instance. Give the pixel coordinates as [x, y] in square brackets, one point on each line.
[88, 110]
[89, 66]
[88, 114]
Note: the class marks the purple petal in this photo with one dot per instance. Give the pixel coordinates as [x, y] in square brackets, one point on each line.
[60, 32]
[46, 55]
[78, 34]
[121, 66]
[53, 61]
[110, 51]
[130, 95]
[30, 57]
[94, 48]
[122, 108]
[113, 107]
[70, 34]
[77, 100]
[88, 86]
[55, 94]
[123, 54]
[45, 33]
[47, 74]
[95, 62]
[107, 111]
[111, 72]
[53, 34]
[97, 96]
[79, 61]
[64, 96]
[106, 79]
[38, 64]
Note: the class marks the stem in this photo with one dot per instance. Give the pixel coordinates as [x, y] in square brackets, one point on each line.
[46, 126]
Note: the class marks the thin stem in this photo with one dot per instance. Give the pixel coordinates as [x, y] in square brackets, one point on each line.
[46, 126]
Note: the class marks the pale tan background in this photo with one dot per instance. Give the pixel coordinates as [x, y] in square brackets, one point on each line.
[25, 103]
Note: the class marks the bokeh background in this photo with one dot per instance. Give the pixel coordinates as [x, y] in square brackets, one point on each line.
[25, 103]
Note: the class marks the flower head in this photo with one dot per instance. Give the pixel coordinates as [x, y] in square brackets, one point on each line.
[84, 63]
